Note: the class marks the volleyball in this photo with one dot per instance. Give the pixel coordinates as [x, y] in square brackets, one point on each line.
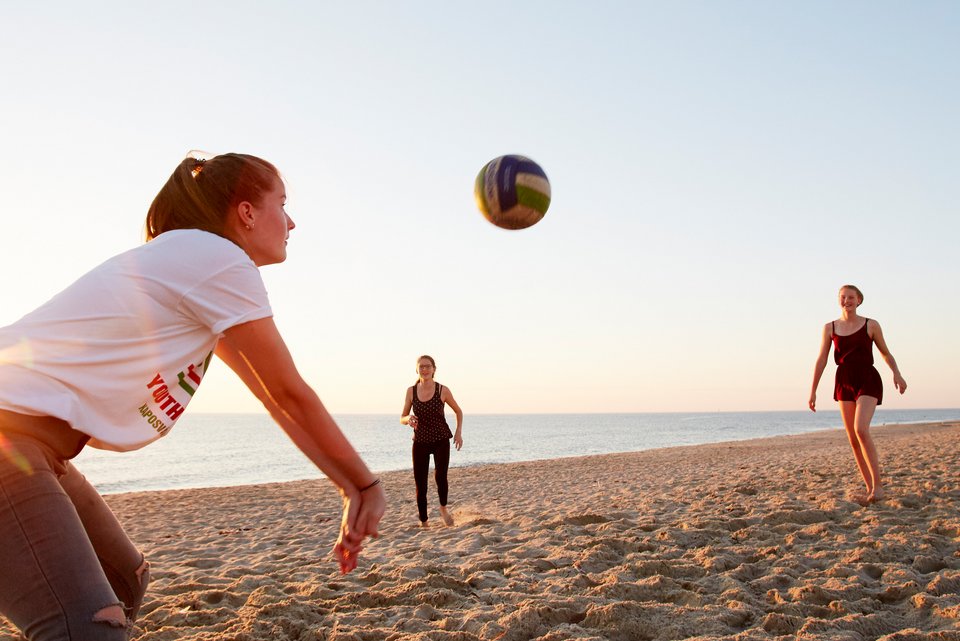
[512, 192]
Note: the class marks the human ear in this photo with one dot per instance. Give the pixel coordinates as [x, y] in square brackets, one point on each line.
[245, 215]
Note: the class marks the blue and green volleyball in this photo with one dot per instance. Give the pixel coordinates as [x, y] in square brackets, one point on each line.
[512, 192]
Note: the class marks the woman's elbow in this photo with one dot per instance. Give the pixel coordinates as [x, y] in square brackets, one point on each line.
[290, 394]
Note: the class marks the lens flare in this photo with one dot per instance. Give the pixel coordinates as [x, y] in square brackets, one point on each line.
[20, 353]
[9, 452]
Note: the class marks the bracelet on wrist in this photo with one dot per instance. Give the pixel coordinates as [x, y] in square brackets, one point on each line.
[374, 484]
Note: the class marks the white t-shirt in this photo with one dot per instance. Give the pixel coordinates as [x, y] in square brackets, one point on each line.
[119, 353]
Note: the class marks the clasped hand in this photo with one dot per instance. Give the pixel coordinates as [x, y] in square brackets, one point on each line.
[361, 516]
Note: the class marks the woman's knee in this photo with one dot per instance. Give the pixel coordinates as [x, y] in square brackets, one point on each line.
[112, 615]
[138, 588]
[108, 623]
[862, 429]
[863, 434]
[130, 587]
[142, 574]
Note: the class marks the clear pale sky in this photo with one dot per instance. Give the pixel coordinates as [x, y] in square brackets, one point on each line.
[719, 169]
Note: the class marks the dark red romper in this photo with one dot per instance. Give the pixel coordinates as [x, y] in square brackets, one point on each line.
[856, 375]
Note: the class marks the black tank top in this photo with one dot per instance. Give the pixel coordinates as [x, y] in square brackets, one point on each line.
[431, 423]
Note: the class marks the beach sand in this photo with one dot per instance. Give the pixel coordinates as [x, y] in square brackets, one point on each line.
[746, 540]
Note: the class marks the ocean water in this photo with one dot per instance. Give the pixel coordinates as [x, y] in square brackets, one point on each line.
[211, 450]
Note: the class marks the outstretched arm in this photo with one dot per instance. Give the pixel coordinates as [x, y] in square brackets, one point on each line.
[259, 356]
[820, 364]
[877, 335]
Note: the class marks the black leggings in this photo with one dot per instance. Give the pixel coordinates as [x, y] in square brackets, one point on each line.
[421, 469]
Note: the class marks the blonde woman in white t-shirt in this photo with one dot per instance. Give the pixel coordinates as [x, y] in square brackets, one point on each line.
[113, 361]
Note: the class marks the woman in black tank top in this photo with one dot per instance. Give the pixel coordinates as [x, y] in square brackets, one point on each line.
[431, 434]
[858, 387]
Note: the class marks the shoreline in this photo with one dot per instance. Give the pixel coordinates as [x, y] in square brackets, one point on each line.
[733, 541]
[249, 449]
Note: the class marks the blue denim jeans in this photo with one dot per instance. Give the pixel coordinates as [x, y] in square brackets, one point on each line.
[64, 555]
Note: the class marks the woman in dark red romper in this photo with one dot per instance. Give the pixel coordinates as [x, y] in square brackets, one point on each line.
[858, 386]
[431, 434]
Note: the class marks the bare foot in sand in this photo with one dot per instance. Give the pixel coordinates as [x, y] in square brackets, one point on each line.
[424, 524]
[445, 515]
[860, 498]
[877, 495]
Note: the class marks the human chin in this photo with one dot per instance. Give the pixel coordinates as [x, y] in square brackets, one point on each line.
[271, 258]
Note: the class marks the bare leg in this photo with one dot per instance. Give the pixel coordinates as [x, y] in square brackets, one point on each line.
[866, 406]
[848, 410]
[445, 515]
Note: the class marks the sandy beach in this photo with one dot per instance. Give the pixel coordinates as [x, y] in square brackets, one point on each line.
[747, 540]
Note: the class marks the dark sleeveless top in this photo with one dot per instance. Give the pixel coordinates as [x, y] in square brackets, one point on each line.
[855, 349]
[431, 423]
[856, 375]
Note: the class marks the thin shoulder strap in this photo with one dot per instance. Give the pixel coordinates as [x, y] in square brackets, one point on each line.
[833, 328]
